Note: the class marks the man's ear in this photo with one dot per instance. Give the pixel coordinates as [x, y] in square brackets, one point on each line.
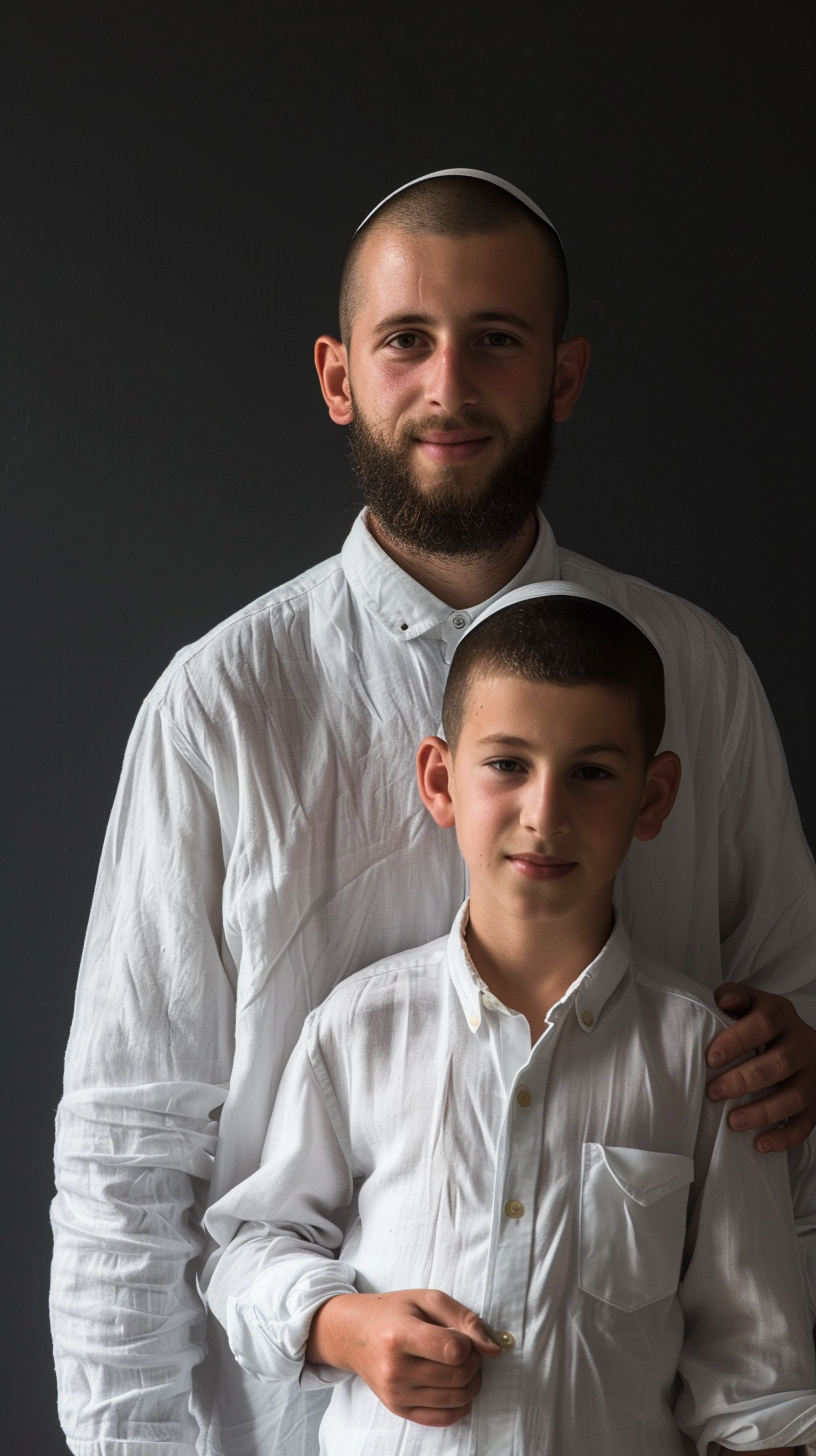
[433, 763]
[331, 363]
[571, 365]
[659, 794]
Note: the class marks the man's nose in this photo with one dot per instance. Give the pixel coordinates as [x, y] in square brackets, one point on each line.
[449, 382]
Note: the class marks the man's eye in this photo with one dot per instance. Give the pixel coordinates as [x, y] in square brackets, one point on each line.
[507, 765]
[404, 341]
[592, 773]
[498, 340]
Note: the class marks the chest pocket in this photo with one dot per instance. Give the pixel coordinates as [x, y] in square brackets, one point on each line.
[633, 1223]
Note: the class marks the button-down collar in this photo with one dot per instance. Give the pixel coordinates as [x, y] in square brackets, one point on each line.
[588, 993]
[406, 609]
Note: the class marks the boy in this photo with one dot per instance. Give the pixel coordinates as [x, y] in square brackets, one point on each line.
[491, 1168]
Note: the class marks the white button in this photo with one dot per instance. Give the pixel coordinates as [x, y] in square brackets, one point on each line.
[474, 1021]
[459, 621]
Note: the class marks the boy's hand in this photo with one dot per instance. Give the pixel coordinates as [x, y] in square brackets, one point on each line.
[419, 1351]
[788, 1063]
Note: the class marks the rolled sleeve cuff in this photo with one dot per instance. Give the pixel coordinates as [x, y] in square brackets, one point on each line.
[787, 1419]
[268, 1327]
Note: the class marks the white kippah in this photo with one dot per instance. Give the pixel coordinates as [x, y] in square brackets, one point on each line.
[467, 172]
[536, 589]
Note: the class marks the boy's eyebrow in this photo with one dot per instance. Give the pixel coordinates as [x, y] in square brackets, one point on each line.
[509, 741]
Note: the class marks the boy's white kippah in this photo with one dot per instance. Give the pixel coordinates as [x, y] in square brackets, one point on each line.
[467, 172]
[536, 589]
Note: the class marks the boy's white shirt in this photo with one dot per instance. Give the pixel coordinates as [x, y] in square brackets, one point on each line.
[267, 840]
[607, 1222]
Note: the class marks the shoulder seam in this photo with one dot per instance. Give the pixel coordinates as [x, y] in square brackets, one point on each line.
[244, 615]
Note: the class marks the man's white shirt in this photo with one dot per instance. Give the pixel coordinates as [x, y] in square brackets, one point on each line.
[267, 840]
[563, 1192]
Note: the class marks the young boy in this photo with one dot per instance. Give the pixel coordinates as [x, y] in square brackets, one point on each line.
[497, 1212]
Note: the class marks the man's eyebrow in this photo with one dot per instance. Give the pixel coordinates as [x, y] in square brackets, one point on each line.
[489, 316]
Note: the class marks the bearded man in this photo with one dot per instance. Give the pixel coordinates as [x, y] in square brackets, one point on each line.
[267, 838]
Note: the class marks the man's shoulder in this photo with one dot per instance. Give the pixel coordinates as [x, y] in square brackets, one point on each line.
[237, 650]
[671, 619]
[680, 995]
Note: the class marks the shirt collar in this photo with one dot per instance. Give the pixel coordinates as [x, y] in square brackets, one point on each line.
[588, 994]
[406, 609]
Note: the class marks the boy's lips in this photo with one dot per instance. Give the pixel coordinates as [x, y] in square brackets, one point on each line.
[541, 866]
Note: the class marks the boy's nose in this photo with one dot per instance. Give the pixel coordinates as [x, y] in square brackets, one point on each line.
[545, 808]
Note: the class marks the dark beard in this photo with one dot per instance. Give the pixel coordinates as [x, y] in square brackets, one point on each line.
[450, 521]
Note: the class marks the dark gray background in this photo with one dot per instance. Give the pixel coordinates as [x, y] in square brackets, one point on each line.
[178, 186]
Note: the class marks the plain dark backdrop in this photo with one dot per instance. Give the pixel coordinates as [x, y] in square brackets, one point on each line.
[179, 183]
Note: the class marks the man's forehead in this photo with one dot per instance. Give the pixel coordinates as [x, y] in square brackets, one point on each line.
[421, 272]
[490, 177]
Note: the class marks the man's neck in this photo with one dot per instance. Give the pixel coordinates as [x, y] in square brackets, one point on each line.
[530, 964]
[460, 581]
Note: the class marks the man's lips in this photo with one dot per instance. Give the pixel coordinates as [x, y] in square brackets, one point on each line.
[541, 866]
[449, 446]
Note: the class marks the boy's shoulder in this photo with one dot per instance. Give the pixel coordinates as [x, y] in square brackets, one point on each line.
[400, 975]
[682, 996]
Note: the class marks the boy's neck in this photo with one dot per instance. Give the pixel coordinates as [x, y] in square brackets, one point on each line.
[529, 964]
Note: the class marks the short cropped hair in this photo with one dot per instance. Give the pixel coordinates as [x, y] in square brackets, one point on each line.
[564, 640]
[454, 207]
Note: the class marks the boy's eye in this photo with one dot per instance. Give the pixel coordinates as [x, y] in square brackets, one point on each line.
[592, 773]
[507, 765]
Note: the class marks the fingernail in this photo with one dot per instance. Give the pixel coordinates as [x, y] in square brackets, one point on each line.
[729, 1000]
[765, 1145]
[715, 1059]
[738, 1119]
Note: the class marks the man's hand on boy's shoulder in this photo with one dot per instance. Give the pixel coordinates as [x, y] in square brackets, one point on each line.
[419, 1351]
[787, 1064]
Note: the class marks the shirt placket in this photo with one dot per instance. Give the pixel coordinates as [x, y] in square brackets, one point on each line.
[511, 1247]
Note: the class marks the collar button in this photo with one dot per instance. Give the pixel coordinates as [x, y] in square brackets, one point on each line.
[587, 1018]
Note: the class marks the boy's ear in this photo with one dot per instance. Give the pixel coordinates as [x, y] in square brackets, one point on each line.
[659, 794]
[433, 763]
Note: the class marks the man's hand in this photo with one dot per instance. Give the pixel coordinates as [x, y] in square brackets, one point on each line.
[787, 1063]
[419, 1351]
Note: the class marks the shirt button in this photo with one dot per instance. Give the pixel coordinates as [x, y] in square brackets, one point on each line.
[505, 1339]
[513, 1208]
[587, 1018]
[459, 621]
[474, 1021]
[523, 1097]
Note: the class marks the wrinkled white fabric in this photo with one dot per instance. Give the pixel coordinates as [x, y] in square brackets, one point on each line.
[267, 840]
[608, 1226]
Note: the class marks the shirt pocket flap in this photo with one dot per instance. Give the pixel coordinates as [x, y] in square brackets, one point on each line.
[647, 1176]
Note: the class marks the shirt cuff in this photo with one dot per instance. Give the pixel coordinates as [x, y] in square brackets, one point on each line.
[787, 1419]
[268, 1326]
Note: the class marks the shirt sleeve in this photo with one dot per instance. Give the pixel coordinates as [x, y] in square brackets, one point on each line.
[280, 1232]
[747, 1327]
[766, 871]
[147, 1068]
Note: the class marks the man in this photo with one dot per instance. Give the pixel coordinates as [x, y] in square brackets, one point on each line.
[267, 815]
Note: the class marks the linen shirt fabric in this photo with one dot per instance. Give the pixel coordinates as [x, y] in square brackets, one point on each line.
[583, 1196]
[267, 840]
